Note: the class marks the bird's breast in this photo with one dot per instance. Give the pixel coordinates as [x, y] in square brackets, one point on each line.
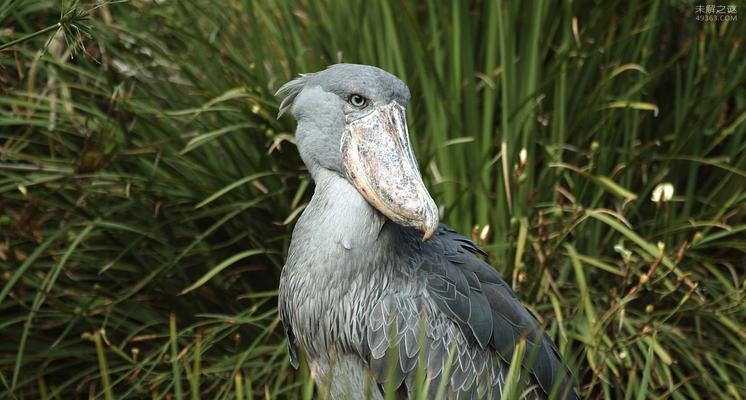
[326, 310]
[342, 259]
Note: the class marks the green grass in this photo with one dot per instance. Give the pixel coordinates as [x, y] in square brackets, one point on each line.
[147, 191]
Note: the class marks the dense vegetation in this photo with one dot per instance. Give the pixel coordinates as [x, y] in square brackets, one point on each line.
[147, 191]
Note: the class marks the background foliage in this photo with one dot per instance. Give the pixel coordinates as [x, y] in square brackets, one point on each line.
[147, 191]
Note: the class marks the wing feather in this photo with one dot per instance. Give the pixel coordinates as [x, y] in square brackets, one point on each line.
[464, 302]
[495, 305]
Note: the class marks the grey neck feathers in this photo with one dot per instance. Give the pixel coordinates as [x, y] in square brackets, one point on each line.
[338, 254]
[339, 232]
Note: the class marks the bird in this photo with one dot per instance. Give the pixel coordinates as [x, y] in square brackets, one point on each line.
[376, 293]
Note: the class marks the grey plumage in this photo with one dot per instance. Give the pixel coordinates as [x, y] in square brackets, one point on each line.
[357, 288]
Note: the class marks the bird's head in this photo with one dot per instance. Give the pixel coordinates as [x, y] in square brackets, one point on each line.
[352, 121]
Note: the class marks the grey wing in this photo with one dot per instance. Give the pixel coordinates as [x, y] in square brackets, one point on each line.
[292, 343]
[465, 307]
[406, 331]
[285, 319]
[510, 319]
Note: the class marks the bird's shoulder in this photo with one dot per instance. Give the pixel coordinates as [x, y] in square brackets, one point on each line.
[469, 289]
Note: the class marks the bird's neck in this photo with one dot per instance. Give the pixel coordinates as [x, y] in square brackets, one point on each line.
[338, 230]
[341, 249]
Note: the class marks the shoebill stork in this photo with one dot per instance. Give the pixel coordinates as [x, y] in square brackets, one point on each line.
[372, 280]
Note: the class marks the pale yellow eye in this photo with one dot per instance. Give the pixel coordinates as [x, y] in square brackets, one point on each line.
[358, 100]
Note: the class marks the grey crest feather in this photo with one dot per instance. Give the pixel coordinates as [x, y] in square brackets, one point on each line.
[290, 91]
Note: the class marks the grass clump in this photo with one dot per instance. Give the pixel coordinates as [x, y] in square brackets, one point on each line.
[148, 192]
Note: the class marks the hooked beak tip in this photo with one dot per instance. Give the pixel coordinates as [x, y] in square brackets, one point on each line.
[428, 232]
[429, 224]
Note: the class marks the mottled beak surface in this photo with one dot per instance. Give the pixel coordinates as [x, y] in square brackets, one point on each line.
[380, 163]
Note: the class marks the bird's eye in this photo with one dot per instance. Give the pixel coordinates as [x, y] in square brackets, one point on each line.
[358, 100]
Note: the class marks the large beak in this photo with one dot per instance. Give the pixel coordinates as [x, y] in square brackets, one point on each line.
[381, 165]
